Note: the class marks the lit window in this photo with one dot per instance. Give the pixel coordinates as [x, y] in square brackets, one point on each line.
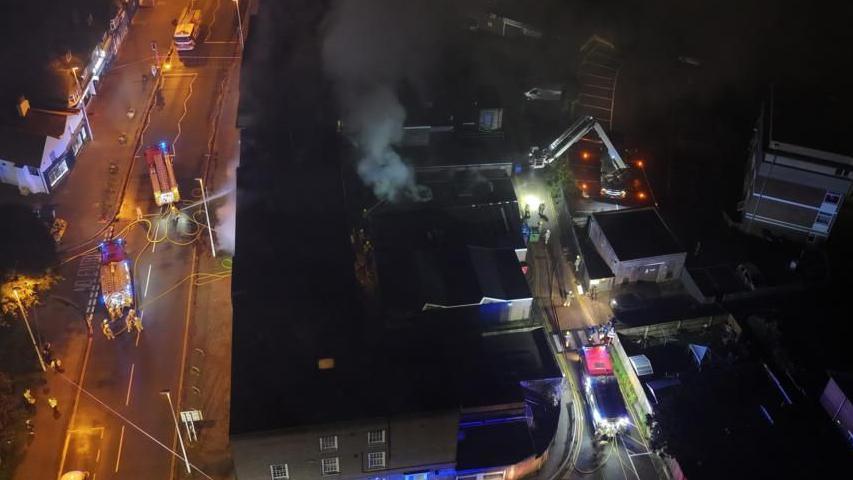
[55, 173]
[376, 437]
[279, 472]
[375, 460]
[330, 466]
[329, 442]
[832, 198]
[416, 476]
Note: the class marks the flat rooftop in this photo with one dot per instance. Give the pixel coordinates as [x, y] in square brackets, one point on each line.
[492, 225]
[808, 117]
[637, 233]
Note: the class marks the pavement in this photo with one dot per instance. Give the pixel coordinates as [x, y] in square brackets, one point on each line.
[207, 384]
[113, 421]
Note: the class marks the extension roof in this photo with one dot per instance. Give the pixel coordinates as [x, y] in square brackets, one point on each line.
[637, 233]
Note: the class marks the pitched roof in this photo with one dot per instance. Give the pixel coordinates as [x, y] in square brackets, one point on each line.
[637, 233]
[499, 273]
[22, 140]
[21, 148]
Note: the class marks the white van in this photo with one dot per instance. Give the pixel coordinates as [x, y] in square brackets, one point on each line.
[186, 33]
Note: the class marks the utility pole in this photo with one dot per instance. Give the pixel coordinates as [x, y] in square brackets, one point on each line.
[30, 330]
[207, 217]
[168, 396]
[82, 102]
[239, 22]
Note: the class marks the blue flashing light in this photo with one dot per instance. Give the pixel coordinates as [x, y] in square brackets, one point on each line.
[163, 146]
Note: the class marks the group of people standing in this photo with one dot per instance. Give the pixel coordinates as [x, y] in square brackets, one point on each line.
[131, 322]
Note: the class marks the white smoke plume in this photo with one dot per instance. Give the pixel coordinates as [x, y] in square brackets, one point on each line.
[226, 226]
[369, 47]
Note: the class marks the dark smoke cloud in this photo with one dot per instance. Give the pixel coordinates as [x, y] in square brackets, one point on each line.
[369, 48]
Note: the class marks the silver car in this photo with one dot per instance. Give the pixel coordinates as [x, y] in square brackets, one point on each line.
[551, 94]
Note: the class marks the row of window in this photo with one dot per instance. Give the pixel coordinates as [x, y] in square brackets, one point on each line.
[330, 442]
[330, 466]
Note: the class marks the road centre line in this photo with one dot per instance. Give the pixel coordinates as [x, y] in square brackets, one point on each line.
[129, 385]
[120, 443]
[156, 230]
[147, 281]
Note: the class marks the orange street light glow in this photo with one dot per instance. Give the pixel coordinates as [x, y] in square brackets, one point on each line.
[585, 155]
[641, 195]
[640, 163]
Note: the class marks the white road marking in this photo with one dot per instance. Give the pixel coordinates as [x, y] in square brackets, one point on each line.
[120, 443]
[129, 385]
[156, 230]
[147, 281]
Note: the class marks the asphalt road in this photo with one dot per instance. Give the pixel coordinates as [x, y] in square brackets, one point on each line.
[122, 427]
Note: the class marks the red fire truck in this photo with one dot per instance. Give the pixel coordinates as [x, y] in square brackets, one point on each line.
[162, 175]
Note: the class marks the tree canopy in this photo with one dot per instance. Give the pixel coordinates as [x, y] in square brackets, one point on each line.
[27, 253]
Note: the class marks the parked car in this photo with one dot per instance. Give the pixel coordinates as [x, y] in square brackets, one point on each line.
[750, 275]
[544, 93]
[626, 301]
[75, 475]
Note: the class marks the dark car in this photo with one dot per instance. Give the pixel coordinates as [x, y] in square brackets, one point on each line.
[626, 301]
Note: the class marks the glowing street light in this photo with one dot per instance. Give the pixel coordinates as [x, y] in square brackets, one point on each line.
[82, 100]
[642, 167]
[207, 216]
[239, 21]
[30, 330]
[168, 396]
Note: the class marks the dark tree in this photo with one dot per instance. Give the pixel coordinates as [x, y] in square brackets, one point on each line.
[26, 246]
[714, 425]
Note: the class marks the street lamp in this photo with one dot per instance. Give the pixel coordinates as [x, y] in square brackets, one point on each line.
[177, 429]
[207, 216]
[239, 21]
[642, 166]
[30, 330]
[81, 100]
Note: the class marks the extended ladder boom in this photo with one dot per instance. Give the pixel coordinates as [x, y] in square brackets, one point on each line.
[541, 157]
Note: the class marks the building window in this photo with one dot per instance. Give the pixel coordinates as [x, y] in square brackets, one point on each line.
[33, 171]
[329, 442]
[330, 466]
[375, 460]
[416, 476]
[56, 172]
[376, 437]
[483, 476]
[279, 472]
[832, 198]
[823, 219]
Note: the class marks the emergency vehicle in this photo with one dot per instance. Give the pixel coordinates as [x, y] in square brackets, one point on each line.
[162, 175]
[602, 392]
[116, 279]
[187, 30]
